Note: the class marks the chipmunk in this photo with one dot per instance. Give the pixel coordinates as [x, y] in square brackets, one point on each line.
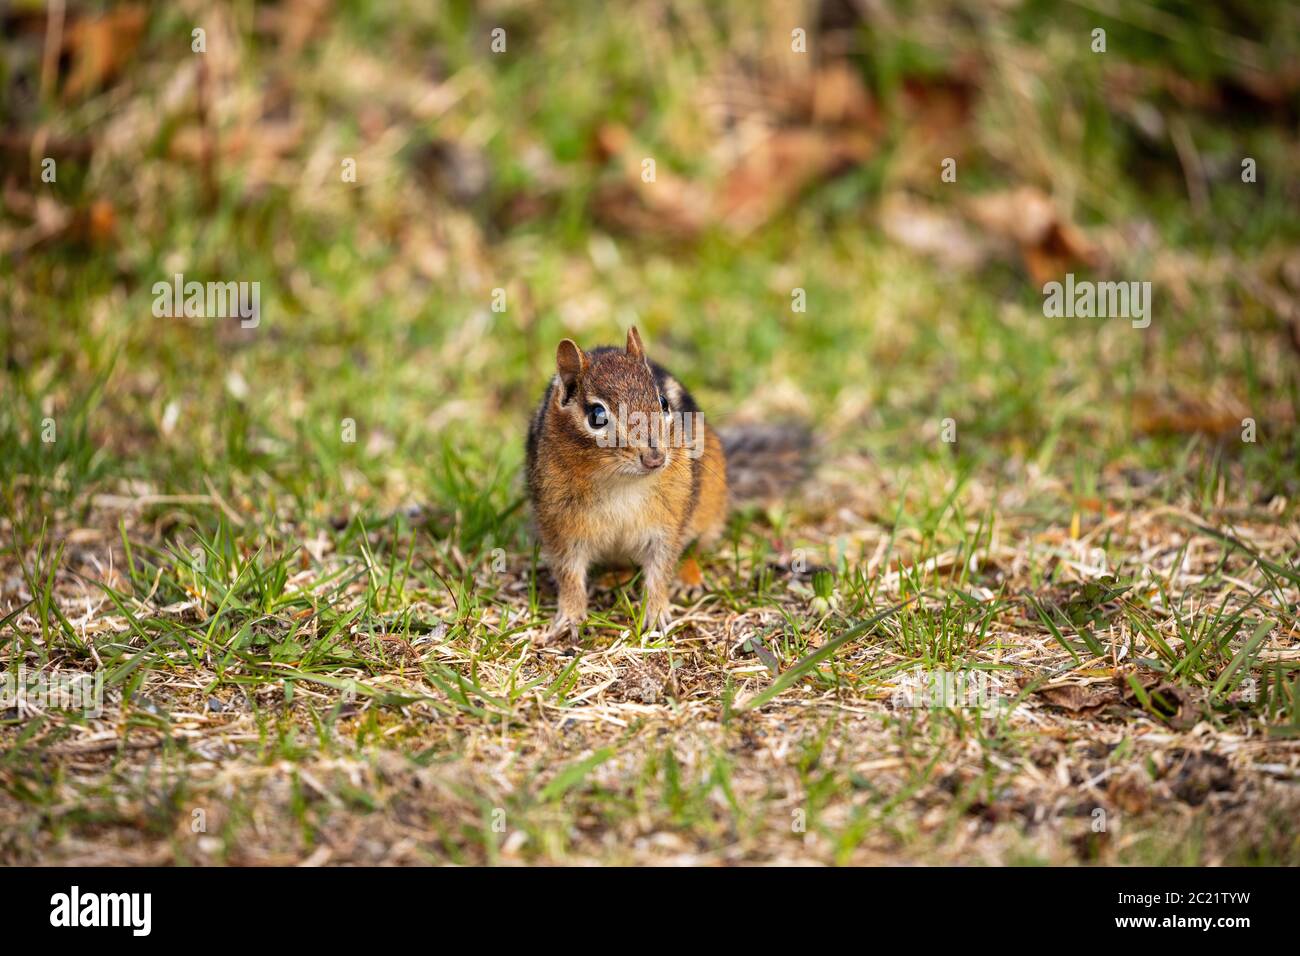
[621, 468]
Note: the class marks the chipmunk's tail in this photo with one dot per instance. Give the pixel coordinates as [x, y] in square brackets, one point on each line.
[765, 461]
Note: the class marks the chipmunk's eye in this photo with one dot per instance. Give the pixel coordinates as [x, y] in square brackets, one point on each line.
[663, 403]
[597, 416]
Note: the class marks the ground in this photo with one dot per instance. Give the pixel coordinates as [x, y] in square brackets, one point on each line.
[1037, 601]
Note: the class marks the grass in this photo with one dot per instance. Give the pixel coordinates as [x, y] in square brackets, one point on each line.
[321, 649]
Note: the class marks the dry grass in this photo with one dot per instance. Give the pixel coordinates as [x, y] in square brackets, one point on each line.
[683, 771]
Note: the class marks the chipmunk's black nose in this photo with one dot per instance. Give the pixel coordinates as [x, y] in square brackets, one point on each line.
[652, 458]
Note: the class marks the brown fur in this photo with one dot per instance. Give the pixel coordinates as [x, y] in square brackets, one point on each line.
[601, 504]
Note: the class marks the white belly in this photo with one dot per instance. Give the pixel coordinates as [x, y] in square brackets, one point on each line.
[620, 514]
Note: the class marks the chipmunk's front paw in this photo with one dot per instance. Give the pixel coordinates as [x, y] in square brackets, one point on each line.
[562, 627]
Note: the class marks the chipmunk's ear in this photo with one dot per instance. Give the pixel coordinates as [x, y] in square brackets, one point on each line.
[634, 347]
[570, 362]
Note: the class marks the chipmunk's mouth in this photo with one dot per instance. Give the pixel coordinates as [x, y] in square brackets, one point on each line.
[639, 467]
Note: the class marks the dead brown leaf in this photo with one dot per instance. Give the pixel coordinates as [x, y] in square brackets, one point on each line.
[1080, 698]
[668, 207]
[100, 47]
[1186, 415]
[827, 125]
[925, 229]
[779, 169]
[1171, 702]
[1049, 243]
